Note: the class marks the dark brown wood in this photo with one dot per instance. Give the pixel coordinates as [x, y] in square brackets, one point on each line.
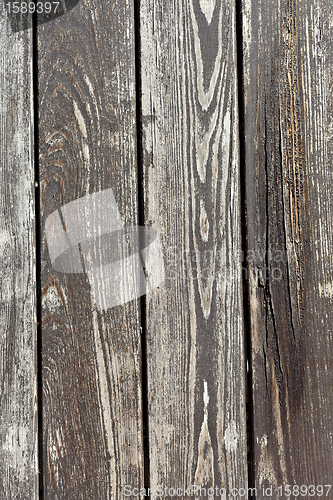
[18, 326]
[92, 422]
[195, 352]
[288, 144]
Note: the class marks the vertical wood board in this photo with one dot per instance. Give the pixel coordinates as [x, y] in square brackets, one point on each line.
[18, 324]
[288, 147]
[92, 421]
[195, 347]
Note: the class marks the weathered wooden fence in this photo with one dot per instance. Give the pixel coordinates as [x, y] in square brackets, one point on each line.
[212, 123]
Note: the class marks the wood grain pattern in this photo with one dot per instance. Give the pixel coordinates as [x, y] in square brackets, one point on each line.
[92, 422]
[18, 326]
[288, 141]
[194, 320]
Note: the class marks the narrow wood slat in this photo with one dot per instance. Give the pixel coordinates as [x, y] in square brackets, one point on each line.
[92, 423]
[288, 63]
[195, 352]
[18, 328]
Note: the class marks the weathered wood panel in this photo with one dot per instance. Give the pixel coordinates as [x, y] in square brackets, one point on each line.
[92, 423]
[194, 320]
[18, 326]
[288, 63]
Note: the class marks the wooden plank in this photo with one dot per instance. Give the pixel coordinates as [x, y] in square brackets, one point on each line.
[92, 423]
[288, 64]
[195, 352]
[18, 328]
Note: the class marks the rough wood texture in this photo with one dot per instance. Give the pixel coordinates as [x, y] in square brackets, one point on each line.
[288, 141]
[18, 328]
[195, 351]
[92, 423]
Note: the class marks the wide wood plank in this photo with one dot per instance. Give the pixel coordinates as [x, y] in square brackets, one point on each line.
[92, 422]
[18, 325]
[288, 69]
[194, 320]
